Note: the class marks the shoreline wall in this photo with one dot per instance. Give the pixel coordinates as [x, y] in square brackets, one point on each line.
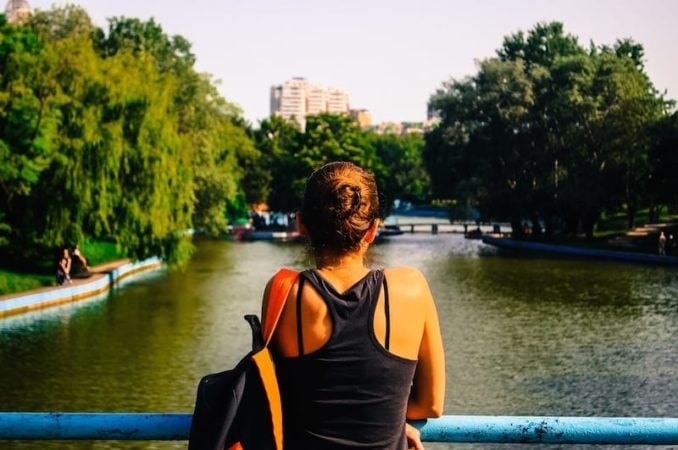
[101, 281]
[644, 258]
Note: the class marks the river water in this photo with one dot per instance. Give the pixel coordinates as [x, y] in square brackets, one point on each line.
[524, 334]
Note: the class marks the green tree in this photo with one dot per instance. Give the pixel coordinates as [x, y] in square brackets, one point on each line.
[279, 142]
[663, 159]
[628, 108]
[291, 155]
[334, 137]
[111, 135]
[547, 132]
[400, 170]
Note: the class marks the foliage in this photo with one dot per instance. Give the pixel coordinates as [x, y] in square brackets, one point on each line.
[111, 134]
[400, 170]
[100, 252]
[290, 156]
[279, 142]
[663, 159]
[547, 132]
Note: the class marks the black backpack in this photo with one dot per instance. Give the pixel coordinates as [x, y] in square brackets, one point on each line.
[240, 409]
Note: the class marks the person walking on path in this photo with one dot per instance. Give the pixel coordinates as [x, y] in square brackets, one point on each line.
[358, 351]
[662, 243]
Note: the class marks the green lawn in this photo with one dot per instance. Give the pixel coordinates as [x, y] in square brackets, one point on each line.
[18, 282]
[615, 225]
[100, 252]
[617, 222]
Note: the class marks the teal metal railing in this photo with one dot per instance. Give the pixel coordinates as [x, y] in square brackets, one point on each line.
[452, 429]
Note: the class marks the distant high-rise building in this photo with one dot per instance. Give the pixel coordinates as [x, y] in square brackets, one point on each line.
[297, 98]
[316, 100]
[276, 99]
[288, 100]
[17, 11]
[337, 101]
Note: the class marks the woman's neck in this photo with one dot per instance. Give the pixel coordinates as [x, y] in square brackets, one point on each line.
[344, 264]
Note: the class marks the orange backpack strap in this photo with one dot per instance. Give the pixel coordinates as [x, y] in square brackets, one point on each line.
[280, 288]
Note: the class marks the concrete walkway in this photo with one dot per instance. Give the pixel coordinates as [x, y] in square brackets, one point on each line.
[97, 280]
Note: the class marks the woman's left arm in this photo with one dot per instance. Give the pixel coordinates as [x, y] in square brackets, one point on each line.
[428, 388]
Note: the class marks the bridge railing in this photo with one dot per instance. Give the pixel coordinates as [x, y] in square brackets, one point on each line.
[450, 429]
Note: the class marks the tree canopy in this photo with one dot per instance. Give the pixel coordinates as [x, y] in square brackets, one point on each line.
[111, 134]
[548, 132]
[290, 155]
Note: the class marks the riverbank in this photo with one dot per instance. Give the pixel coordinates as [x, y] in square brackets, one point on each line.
[99, 279]
[587, 252]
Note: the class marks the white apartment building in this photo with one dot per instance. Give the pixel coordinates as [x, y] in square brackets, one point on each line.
[316, 100]
[288, 100]
[297, 98]
[337, 101]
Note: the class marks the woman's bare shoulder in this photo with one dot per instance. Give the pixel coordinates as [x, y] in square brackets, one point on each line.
[406, 280]
[400, 272]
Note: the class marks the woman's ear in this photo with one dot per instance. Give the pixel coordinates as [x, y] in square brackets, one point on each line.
[371, 233]
[301, 227]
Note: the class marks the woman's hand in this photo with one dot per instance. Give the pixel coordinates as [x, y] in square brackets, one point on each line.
[413, 437]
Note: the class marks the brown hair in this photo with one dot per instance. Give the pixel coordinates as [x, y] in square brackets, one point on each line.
[340, 204]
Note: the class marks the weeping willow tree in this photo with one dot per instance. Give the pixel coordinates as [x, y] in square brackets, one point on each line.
[110, 134]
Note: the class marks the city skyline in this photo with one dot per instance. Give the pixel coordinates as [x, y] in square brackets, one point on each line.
[389, 55]
[297, 98]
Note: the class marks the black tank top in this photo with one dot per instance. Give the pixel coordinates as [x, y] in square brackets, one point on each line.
[352, 392]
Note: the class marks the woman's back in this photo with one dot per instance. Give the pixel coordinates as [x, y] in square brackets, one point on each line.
[350, 390]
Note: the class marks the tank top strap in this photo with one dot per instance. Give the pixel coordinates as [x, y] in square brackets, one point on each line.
[387, 314]
[351, 309]
[300, 333]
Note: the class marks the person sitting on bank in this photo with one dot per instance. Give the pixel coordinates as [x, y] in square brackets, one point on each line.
[64, 268]
[80, 258]
[662, 244]
[358, 351]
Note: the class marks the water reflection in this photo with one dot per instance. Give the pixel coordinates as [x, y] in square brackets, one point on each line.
[524, 334]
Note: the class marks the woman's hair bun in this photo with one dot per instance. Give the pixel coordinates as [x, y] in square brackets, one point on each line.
[348, 200]
[340, 204]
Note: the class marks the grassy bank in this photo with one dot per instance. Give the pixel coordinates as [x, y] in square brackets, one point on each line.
[12, 280]
[611, 234]
[19, 282]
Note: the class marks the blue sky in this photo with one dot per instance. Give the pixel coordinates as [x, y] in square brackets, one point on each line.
[389, 55]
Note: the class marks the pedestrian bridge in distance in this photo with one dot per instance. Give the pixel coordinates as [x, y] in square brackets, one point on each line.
[435, 227]
[447, 429]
